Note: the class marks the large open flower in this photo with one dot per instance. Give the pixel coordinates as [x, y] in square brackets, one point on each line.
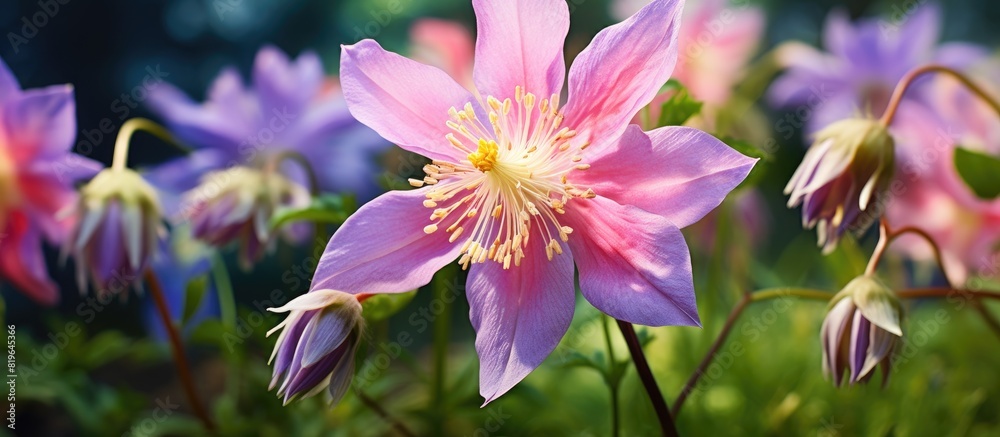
[37, 171]
[520, 187]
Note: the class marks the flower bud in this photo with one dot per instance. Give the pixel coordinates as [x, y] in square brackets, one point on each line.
[118, 233]
[861, 331]
[843, 178]
[316, 347]
[237, 204]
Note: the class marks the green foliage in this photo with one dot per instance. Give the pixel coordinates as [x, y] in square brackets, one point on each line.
[981, 172]
[680, 107]
[382, 306]
[327, 208]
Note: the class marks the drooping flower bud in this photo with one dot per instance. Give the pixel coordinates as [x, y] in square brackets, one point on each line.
[843, 178]
[119, 230]
[861, 331]
[237, 204]
[316, 347]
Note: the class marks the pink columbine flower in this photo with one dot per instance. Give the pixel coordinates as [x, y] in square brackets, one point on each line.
[37, 172]
[522, 187]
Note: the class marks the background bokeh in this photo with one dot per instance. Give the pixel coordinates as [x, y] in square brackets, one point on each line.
[104, 48]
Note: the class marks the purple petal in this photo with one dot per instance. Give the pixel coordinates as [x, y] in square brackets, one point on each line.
[519, 314]
[404, 101]
[9, 88]
[283, 84]
[860, 336]
[42, 123]
[634, 266]
[677, 172]
[382, 248]
[621, 71]
[22, 262]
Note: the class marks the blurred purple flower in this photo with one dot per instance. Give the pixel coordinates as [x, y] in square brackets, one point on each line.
[865, 61]
[37, 172]
[119, 232]
[236, 205]
[316, 347]
[520, 188]
[290, 106]
[861, 331]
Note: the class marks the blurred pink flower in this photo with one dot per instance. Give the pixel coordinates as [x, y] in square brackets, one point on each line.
[37, 171]
[715, 43]
[520, 187]
[930, 194]
[446, 45]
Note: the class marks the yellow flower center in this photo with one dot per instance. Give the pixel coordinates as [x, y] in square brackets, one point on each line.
[514, 184]
[8, 184]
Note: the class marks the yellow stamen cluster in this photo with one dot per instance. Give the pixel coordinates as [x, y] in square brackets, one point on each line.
[514, 183]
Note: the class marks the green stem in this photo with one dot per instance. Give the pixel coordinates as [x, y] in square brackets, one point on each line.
[224, 289]
[441, 329]
[122, 143]
[804, 293]
[612, 385]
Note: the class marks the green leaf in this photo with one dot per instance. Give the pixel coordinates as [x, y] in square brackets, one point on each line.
[679, 108]
[323, 209]
[980, 172]
[193, 296]
[382, 306]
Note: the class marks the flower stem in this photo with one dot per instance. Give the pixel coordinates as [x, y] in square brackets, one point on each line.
[374, 405]
[612, 385]
[707, 360]
[440, 349]
[734, 315]
[648, 380]
[224, 289]
[180, 359]
[122, 143]
[907, 80]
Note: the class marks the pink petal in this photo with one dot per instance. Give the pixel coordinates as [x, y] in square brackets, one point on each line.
[444, 44]
[382, 248]
[621, 71]
[677, 172]
[520, 43]
[404, 101]
[634, 266]
[22, 262]
[519, 315]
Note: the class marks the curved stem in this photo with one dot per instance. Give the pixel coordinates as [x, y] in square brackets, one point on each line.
[291, 155]
[707, 360]
[734, 315]
[180, 359]
[918, 293]
[648, 380]
[907, 80]
[887, 235]
[122, 143]
[612, 385]
[397, 425]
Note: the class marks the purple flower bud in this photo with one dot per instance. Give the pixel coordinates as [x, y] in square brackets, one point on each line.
[861, 331]
[118, 233]
[236, 205]
[843, 178]
[316, 347]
